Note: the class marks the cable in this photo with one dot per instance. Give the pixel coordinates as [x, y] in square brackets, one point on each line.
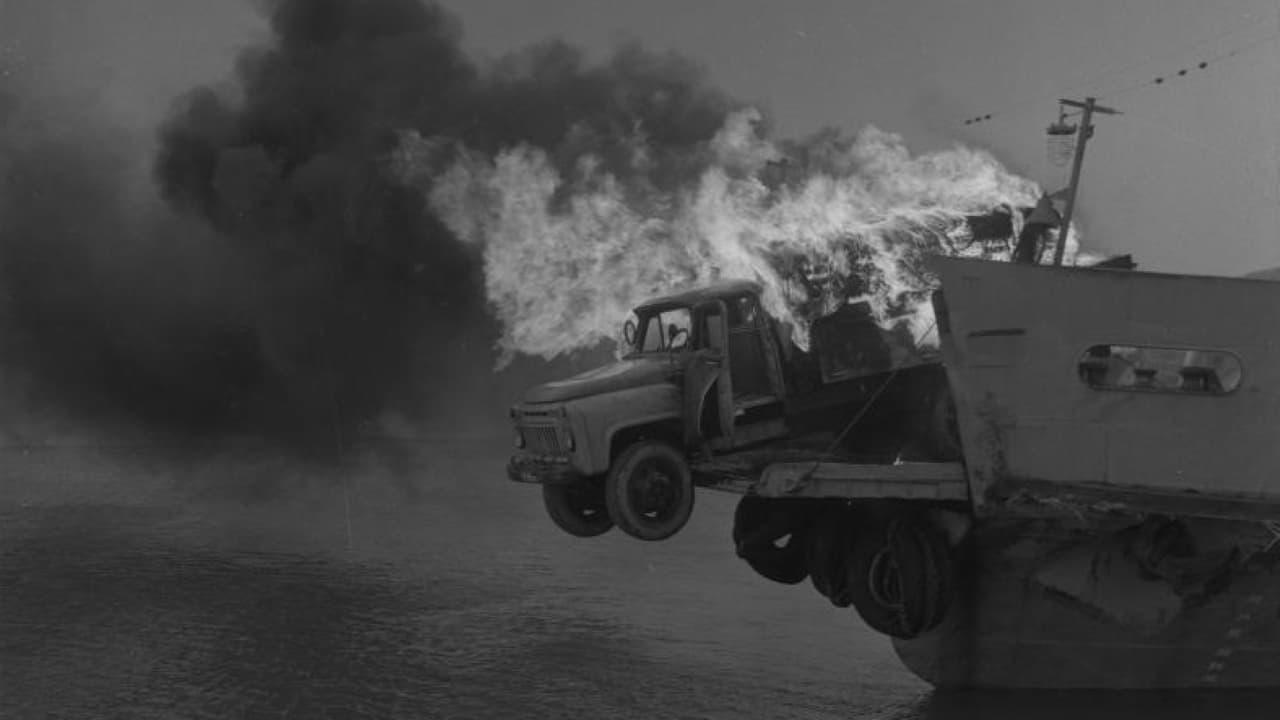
[1203, 64]
[1183, 72]
[1113, 71]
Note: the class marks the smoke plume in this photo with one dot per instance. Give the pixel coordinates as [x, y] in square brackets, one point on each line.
[362, 286]
[111, 309]
[361, 210]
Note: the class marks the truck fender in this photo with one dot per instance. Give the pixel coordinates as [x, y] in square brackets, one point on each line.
[612, 432]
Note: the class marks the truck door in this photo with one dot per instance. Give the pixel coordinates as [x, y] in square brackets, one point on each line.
[708, 366]
[755, 370]
[733, 371]
[756, 374]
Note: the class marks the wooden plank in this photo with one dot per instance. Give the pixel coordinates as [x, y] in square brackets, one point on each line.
[911, 481]
[927, 472]
[849, 481]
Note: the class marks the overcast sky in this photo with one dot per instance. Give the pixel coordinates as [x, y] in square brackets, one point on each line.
[1186, 179]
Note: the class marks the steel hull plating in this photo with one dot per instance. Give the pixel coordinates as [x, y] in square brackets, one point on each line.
[1046, 605]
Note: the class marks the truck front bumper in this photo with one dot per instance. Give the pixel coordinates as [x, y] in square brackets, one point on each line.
[525, 468]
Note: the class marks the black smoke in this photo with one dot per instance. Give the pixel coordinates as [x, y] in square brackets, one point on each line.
[293, 285]
[110, 309]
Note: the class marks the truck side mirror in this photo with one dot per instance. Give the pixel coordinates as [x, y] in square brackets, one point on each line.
[629, 332]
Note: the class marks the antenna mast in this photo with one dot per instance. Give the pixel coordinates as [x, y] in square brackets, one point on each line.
[1083, 133]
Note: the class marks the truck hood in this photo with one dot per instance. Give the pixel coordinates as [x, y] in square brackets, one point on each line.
[630, 373]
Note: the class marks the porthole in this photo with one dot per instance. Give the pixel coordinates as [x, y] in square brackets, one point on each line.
[1160, 369]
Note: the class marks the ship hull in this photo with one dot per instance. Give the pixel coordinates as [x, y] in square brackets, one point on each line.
[1057, 604]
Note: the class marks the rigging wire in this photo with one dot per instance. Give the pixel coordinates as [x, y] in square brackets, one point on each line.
[1203, 64]
[1116, 69]
[1185, 71]
[1270, 160]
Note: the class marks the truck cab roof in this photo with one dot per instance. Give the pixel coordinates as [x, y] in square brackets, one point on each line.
[713, 291]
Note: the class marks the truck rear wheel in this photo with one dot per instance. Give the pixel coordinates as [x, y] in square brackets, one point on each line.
[649, 491]
[829, 545]
[578, 508]
[770, 536]
[901, 575]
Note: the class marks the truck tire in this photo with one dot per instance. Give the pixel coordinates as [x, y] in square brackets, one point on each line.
[901, 575]
[578, 508]
[649, 491]
[758, 524]
[828, 549]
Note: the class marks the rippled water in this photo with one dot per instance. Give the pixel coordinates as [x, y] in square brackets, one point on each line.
[244, 588]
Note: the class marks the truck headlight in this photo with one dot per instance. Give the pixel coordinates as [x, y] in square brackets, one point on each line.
[519, 439]
[568, 440]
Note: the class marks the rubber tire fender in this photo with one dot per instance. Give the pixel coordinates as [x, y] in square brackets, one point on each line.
[828, 546]
[938, 580]
[578, 508]
[925, 570]
[757, 524]
[617, 490]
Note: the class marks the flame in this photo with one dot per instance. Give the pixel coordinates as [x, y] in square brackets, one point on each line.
[567, 256]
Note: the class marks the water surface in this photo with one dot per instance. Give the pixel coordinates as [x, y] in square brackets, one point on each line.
[244, 587]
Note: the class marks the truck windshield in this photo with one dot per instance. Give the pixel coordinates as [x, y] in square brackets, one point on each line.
[661, 331]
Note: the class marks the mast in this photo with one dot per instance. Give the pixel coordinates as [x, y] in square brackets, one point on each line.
[1084, 132]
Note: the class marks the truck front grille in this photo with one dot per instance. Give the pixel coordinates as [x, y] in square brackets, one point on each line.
[542, 439]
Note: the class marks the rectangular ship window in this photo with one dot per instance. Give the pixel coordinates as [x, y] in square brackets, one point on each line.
[1159, 369]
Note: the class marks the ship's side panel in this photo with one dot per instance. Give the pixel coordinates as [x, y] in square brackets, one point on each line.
[1100, 376]
[1052, 606]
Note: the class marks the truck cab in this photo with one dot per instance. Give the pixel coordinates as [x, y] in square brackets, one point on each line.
[704, 374]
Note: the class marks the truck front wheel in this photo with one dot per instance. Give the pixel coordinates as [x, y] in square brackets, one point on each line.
[649, 491]
[578, 508]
